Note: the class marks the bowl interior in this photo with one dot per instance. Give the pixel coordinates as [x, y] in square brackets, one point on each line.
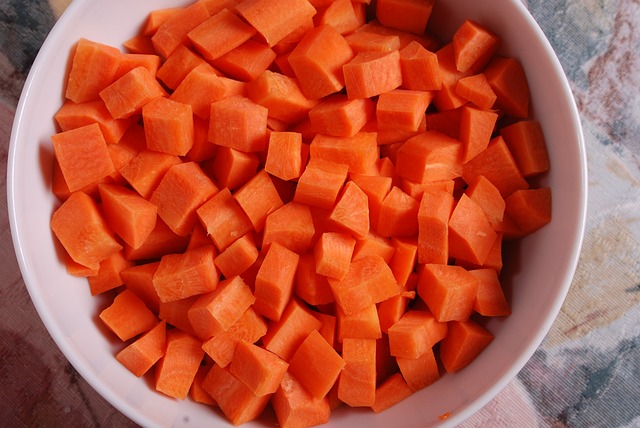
[539, 274]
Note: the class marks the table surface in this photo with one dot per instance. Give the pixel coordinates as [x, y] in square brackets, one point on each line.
[586, 373]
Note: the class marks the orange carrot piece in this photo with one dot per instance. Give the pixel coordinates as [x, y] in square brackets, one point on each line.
[471, 236]
[177, 369]
[318, 67]
[216, 311]
[258, 198]
[430, 156]
[464, 342]
[417, 190]
[368, 281]
[419, 372]
[193, 270]
[407, 15]
[447, 98]
[448, 291]
[72, 116]
[129, 61]
[398, 215]
[341, 14]
[433, 226]
[476, 128]
[215, 6]
[128, 316]
[473, 46]
[530, 209]
[274, 282]
[197, 392]
[328, 327]
[477, 90]
[224, 219]
[309, 286]
[415, 333]
[238, 123]
[419, 66]
[173, 31]
[281, 95]
[373, 245]
[182, 190]
[320, 183]
[126, 96]
[238, 256]
[157, 17]
[177, 66]
[376, 188]
[497, 164]
[372, 73]
[291, 226]
[129, 215]
[289, 42]
[236, 400]
[446, 122]
[333, 253]
[429, 42]
[139, 356]
[232, 168]
[284, 336]
[527, 145]
[139, 44]
[368, 41]
[485, 194]
[316, 365]
[109, 276]
[402, 109]
[275, 19]
[260, 370]
[392, 309]
[176, 313]
[339, 116]
[83, 156]
[295, 407]
[404, 258]
[284, 155]
[247, 61]
[357, 383]
[351, 211]
[93, 68]
[145, 171]
[87, 245]
[392, 391]
[139, 279]
[202, 150]
[361, 324]
[359, 152]
[199, 88]
[220, 34]
[508, 80]
[221, 348]
[490, 299]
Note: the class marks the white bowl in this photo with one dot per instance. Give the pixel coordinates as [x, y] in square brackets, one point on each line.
[544, 268]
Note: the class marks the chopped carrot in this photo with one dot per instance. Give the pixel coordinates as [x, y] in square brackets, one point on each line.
[433, 227]
[430, 156]
[129, 61]
[357, 383]
[139, 356]
[430, 42]
[284, 155]
[320, 183]
[75, 115]
[199, 88]
[477, 90]
[471, 236]
[361, 324]
[128, 316]
[232, 168]
[157, 17]
[526, 143]
[464, 342]
[224, 219]
[247, 61]
[447, 98]
[476, 128]
[341, 14]
[139, 44]
[392, 309]
[407, 15]
[374, 245]
[109, 275]
[139, 279]
[328, 327]
[260, 370]
[93, 68]
[161, 240]
[376, 188]
[488, 197]
[274, 283]
[339, 116]
[290, 226]
[419, 372]
[398, 215]
[176, 313]
[193, 270]
[179, 365]
[309, 285]
[402, 109]
[197, 392]
[445, 121]
[145, 171]
[419, 66]
[258, 198]
[177, 66]
[81, 229]
[368, 41]
[238, 123]
[530, 209]
[295, 407]
[509, 82]
[351, 211]
[359, 152]
[415, 333]
[372, 73]
[473, 46]
[285, 335]
[490, 299]
[238, 256]
[392, 391]
[449, 291]
[333, 253]
[173, 31]
[126, 96]
[215, 6]
[404, 258]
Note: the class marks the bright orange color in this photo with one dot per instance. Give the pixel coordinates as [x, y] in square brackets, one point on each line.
[260, 370]
[309, 286]
[177, 369]
[390, 392]
[357, 383]
[369, 41]
[473, 46]
[320, 183]
[530, 209]
[258, 198]
[415, 333]
[81, 229]
[407, 15]
[339, 116]
[72, 116]
[141, 355]
[373, 245]
[238, 256]
[509, 82]
[224, 219]
[173, 31]
[109, 274]
[398, 215]
[145, 171]
[525, 140]
[295, 407]
[93, 68]
[184, 275]
[284, 155]
[433, 226]
[333, 253]
[471, 236]
[238, 123]
[351, 211]
[340, 14]
[419, 66]
[488, 197]
[476, 128]
[402, 109]
[448, 291]
[464, 342]
[372, 73]
[161, 240]
[247, 61]
[419, 372]
[128, 316]
[477, 90]
[139, 279]
[361, 324]
[274, 283]
[126, 96]
[359, 152]
[490, 299]
[376, 188]
[177, 66]
[430, 156]
[199, 88]
[447, 98]
[290, 226]
[232, 168]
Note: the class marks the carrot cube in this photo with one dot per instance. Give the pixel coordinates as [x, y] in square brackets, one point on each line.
[238, 256]
[258, 198]
[490, 300]
[83, 156]
[317, 67]
[220, 34]
[476, 128]
[419, 66]
[333, 253]
[509, 82]
[109, 274]
[224, 219]
[488, 197]
[193, 270]
[477, 90]
[430, 156]
[398, 215]
[173, 31]
[372, 73]
[284, 155]
[390, 392]
[392, 309]
[232, 168]
[145, 171]
[527, 145]
[309, 286]
[216, 311]
[373, 245]
[464, 342]
[339, 116]
[274, 282]
[402, 109]
[404, 258]
[360, 324]
[471, 236]
[141, 355]
[177, 66]
[71, 116]
[357, 383]
[316, 365]
[294, 406]
[157, 17]
[161, 240]
[260, 370]
[197, 392]
[291, 226]
[407, 15]
[87, 245]
[247, 61]
[419, 372]
[415, 333]
[128, 316]
[177, 369]
[175, 313]
[369, 41]
[351, 212]
[359, 152]
[139, 279]
[433, 226]
[530, 209]
[93, 68]
[473, 46]
[449, 291]
[376, 188]
[201, 87]
[238, 123]
[126, 96]
[447, 98]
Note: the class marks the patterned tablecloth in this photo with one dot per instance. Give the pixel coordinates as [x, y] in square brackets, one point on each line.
[586, 373]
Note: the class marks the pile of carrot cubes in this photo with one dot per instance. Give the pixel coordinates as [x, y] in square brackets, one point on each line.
[296, 203]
